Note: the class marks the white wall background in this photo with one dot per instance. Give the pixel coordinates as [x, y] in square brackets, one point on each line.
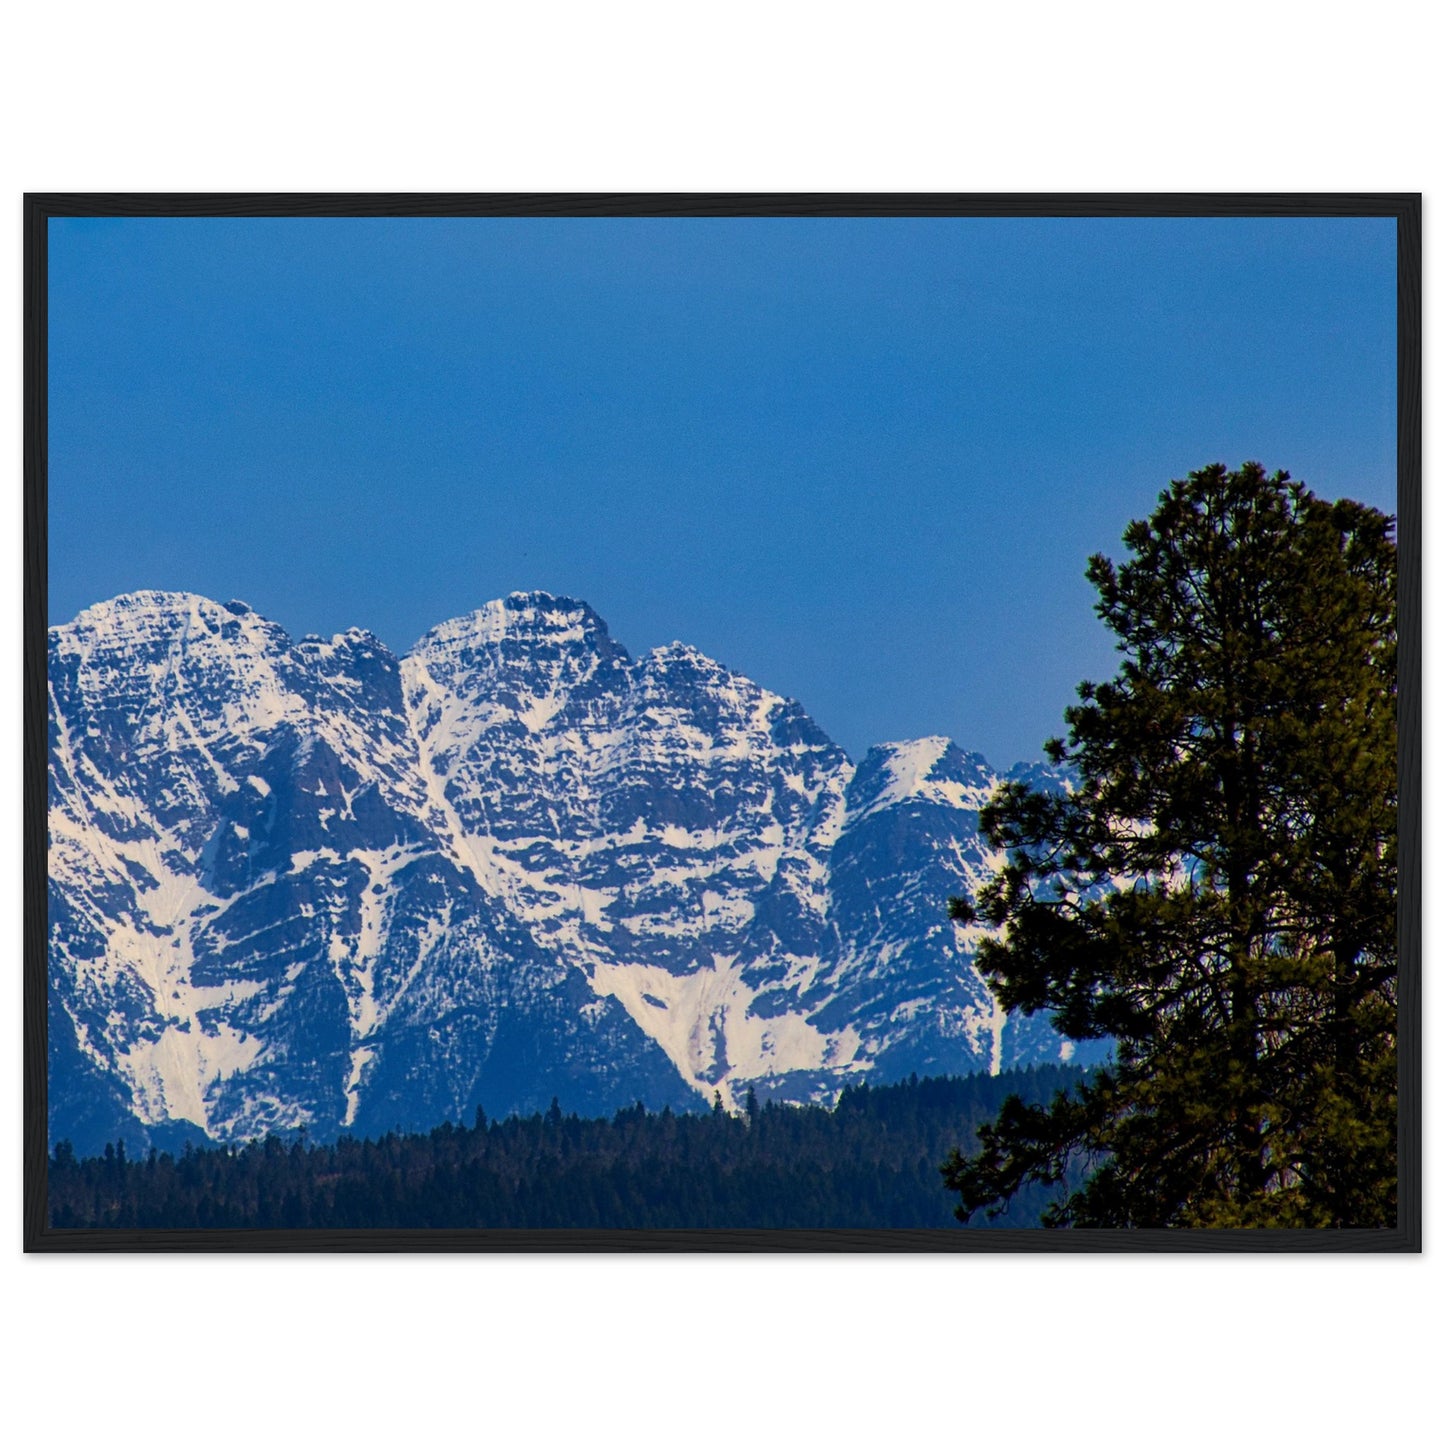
[748, 96]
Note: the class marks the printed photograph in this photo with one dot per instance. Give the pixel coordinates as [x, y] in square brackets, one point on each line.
[766, 723]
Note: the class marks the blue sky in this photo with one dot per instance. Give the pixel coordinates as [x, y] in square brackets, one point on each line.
[862, 461]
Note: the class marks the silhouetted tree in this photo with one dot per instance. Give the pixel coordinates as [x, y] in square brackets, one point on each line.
[1217, 894]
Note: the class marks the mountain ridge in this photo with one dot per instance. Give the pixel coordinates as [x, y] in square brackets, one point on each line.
[315, 884]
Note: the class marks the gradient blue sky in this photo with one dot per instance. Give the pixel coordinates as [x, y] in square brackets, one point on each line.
[862, 461]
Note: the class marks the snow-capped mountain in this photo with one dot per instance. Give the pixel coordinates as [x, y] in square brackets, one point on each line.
[312, 884]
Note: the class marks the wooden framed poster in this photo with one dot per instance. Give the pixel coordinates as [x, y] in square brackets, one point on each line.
[723, 722]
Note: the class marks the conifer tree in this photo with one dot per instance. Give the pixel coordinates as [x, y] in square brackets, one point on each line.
[1217, 894]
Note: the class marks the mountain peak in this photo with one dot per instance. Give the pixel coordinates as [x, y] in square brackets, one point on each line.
[151, 618]
[524, 617]
[924, 770]
[145, 602]
[682, 654]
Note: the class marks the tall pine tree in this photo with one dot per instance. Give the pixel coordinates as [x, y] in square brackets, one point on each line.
[1217, 895]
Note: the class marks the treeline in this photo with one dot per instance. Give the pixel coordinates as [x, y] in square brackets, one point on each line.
[872, 1162]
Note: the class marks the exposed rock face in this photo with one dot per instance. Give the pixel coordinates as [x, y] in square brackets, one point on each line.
[312, 884]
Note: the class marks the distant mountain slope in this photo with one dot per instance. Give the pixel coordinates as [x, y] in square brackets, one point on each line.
[312, 884]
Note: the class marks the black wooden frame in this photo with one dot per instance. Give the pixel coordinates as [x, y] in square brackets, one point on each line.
[1406, 211]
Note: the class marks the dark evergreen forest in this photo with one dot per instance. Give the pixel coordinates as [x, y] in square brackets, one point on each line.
[872, 1162]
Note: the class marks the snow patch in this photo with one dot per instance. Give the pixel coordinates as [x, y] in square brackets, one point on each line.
[171, 1075]
[702, 1022]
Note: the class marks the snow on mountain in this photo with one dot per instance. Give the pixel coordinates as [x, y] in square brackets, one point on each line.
[311, 884]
